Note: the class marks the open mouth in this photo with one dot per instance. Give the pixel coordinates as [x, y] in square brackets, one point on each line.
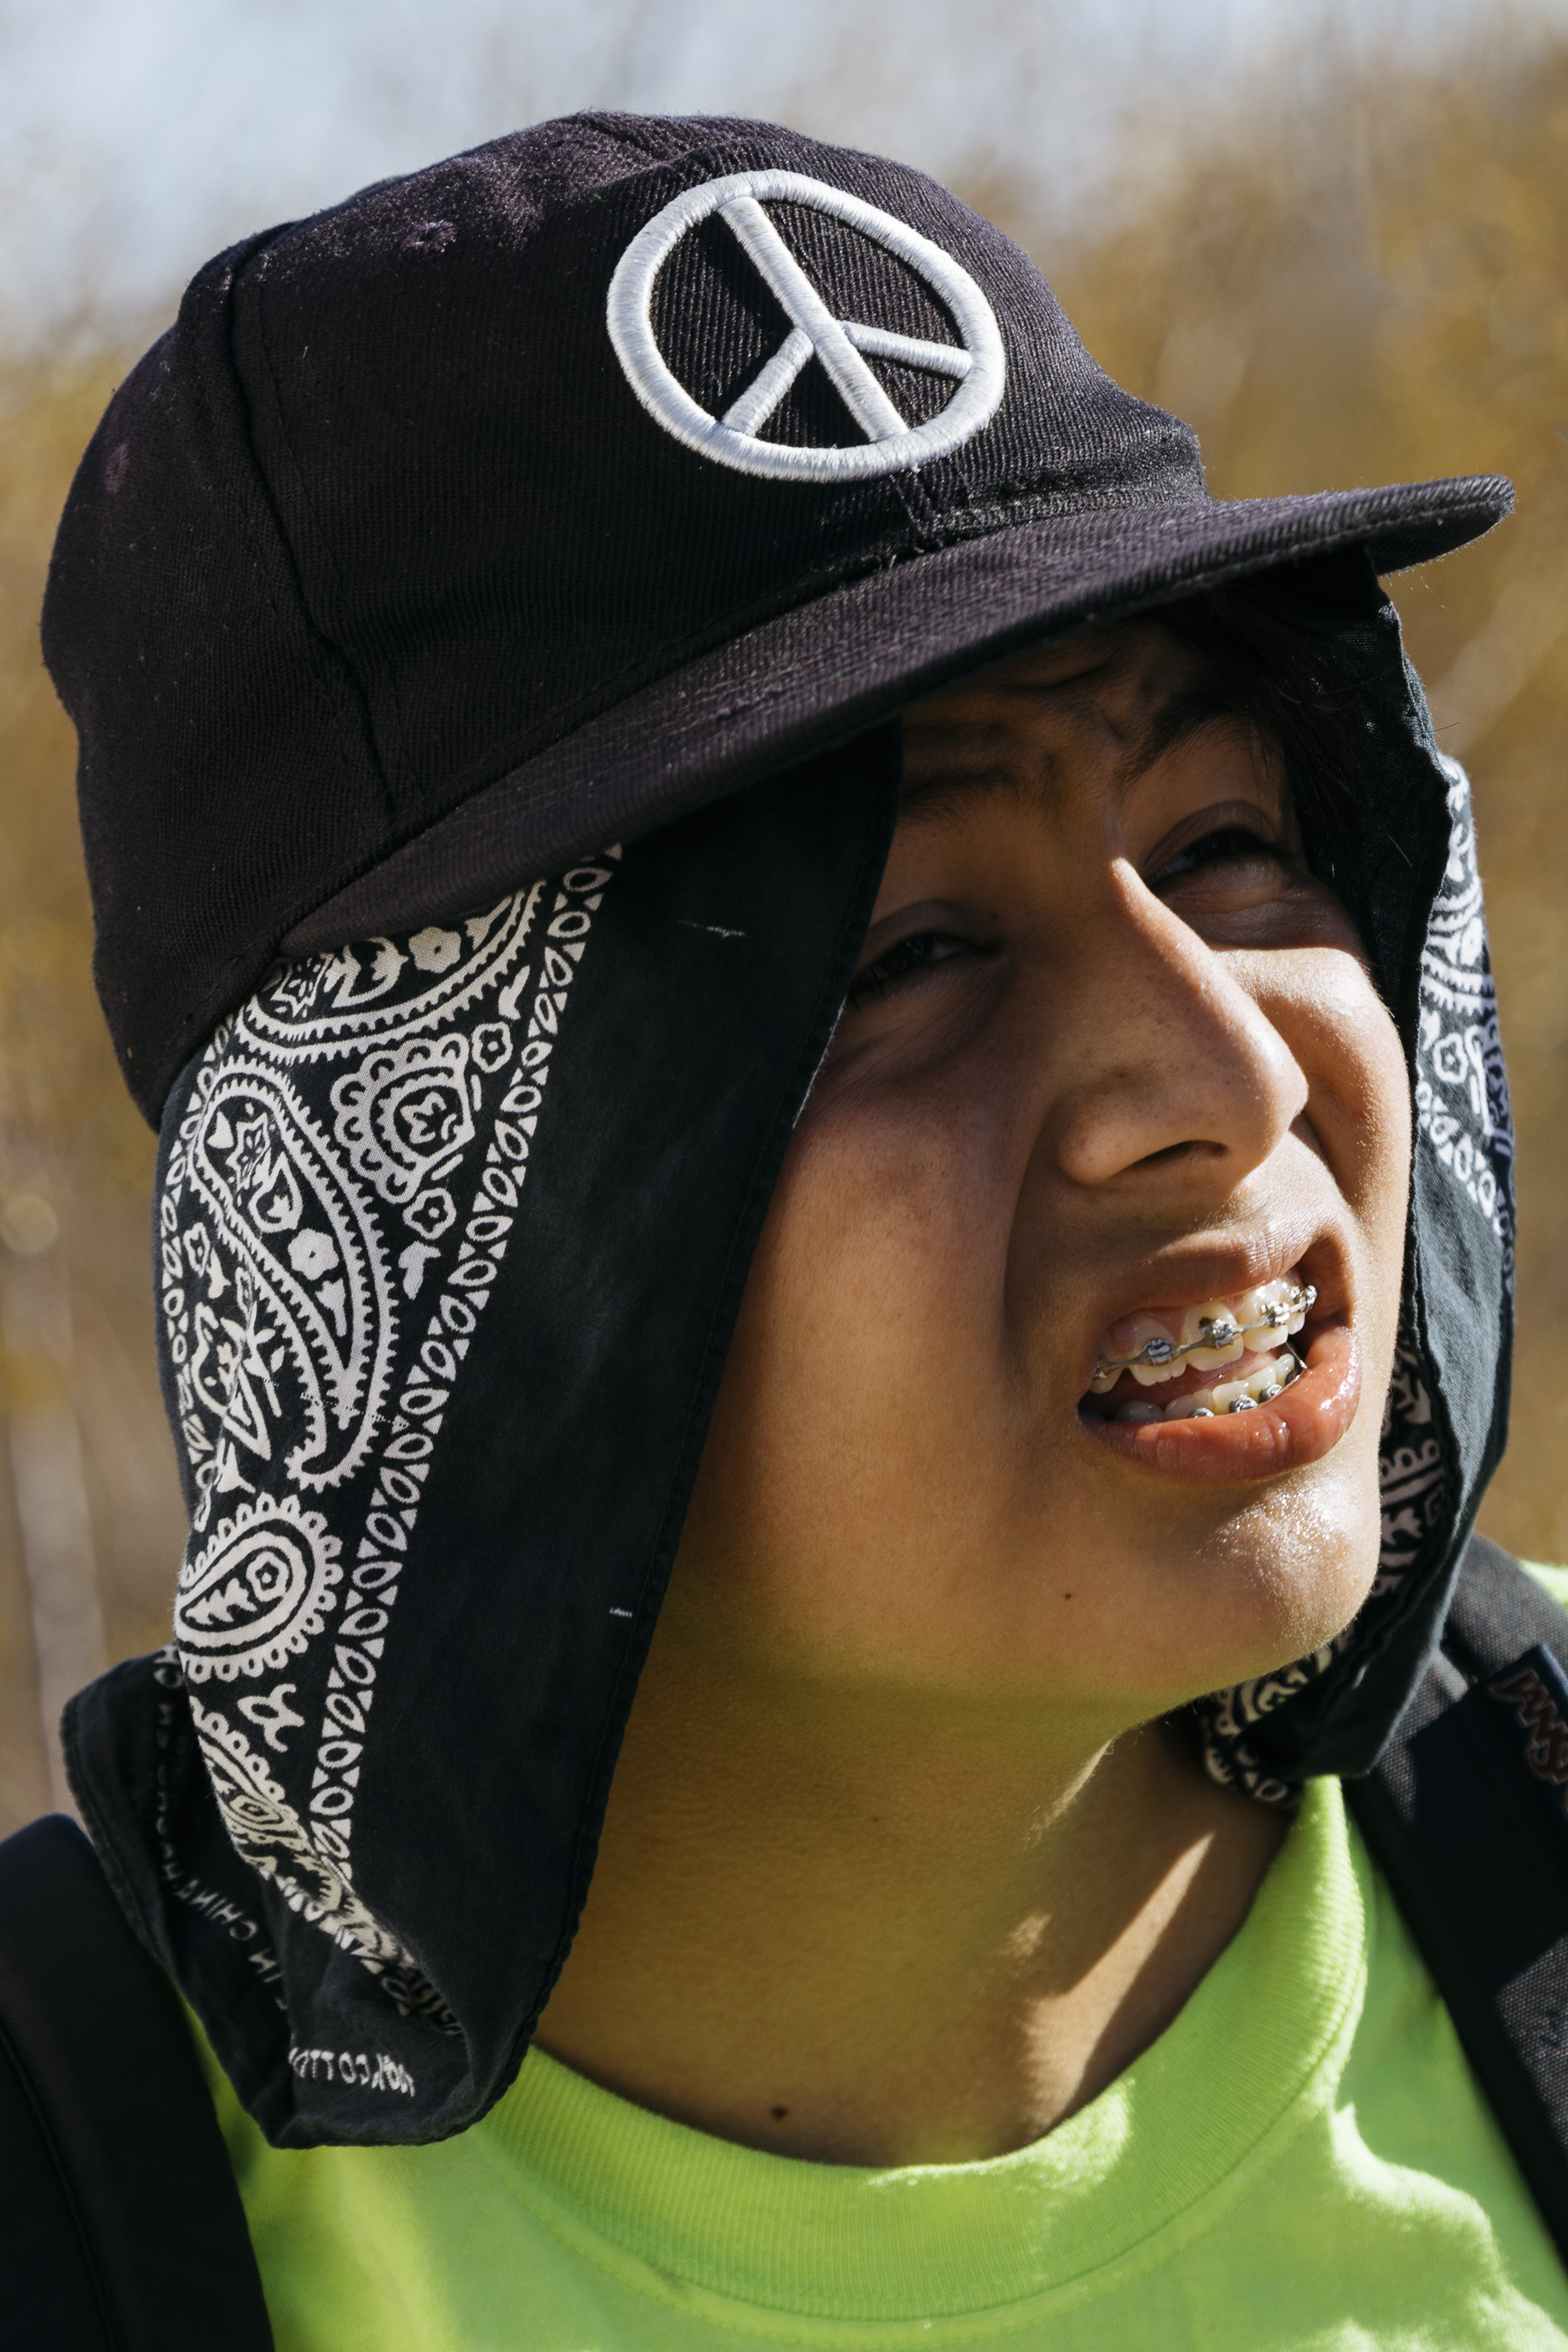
[1229, 1355]
[1227, 1390]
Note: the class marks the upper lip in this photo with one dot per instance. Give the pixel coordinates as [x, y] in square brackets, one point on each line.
[1208, 1271]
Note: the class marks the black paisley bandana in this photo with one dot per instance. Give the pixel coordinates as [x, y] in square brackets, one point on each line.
[451, 1232]
[451, 1229]
[1413, 884]
[321, 1291]
[1464, 1145]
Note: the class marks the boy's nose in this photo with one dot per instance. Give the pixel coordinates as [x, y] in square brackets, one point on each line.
[1177, 1070]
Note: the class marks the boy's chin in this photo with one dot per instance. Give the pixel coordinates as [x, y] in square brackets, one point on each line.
[1166, 1619]
[1258, 1617]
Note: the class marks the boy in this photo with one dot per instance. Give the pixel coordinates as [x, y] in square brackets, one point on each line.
[985, 1154]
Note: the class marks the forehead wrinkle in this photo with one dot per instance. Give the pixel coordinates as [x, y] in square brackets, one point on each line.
[982, 744]
[950, 764]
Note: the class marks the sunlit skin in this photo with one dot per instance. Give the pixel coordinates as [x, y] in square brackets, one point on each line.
[902, 1864]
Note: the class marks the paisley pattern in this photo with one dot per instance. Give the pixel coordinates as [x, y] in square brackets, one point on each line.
[1462, 1117]
[258, 1591]
[268, 1833]
[340, 1192]
[1461, 1092]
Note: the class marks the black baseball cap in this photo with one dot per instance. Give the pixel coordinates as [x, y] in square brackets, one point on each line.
[527, 503]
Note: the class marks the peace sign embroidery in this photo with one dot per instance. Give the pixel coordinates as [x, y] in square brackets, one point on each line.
[976, 364]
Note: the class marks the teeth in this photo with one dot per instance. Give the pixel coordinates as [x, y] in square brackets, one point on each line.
[1210, 1336]
[1151, 1338]
[1262, 1384]
[1144, 1336]
[1216, 1324]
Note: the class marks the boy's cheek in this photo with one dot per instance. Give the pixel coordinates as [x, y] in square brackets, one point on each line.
[1324, 1006]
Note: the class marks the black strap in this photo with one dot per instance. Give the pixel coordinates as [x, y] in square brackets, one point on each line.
[120, 2226]
[1465, 1811]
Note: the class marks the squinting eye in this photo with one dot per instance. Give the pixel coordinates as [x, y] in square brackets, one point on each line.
[1228, 844]
[922, 951]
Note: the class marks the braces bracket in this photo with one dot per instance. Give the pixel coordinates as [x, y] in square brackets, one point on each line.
[1215, 1332]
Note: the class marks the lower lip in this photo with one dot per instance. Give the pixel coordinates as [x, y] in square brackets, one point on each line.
[1235, 1448]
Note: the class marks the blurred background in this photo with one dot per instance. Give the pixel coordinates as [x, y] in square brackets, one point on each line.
[1333, 237]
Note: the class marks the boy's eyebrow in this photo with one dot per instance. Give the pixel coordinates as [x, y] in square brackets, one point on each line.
[946, 789]
[1199, 702]
[964, 758]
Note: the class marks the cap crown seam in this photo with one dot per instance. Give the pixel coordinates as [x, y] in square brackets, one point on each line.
[254, 293]
[323, 657]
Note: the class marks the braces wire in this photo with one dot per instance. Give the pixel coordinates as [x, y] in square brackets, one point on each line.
[1216, 1331]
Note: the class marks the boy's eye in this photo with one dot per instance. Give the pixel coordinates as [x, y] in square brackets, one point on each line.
[1227, 845]
[922, 951]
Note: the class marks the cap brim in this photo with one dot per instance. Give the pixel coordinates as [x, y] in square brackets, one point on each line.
[826, 670]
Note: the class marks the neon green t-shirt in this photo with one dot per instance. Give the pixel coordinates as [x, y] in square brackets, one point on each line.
[1302, 2159]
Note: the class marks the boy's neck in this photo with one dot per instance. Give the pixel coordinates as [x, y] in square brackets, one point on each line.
[888, 1933]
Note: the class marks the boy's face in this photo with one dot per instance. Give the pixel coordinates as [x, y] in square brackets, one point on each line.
[1113, 1058]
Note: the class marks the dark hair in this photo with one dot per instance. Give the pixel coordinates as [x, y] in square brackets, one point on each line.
[1268, 659]
[1269, 654]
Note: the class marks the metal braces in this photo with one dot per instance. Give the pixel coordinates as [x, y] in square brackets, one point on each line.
[1216, 1331]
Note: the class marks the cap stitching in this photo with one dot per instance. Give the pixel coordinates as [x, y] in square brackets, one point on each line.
[1198, 571]
[824, 579]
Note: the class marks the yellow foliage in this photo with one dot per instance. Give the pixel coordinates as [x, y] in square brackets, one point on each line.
[70, 1142]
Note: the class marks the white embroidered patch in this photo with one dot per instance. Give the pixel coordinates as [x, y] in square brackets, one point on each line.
[976, 363]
